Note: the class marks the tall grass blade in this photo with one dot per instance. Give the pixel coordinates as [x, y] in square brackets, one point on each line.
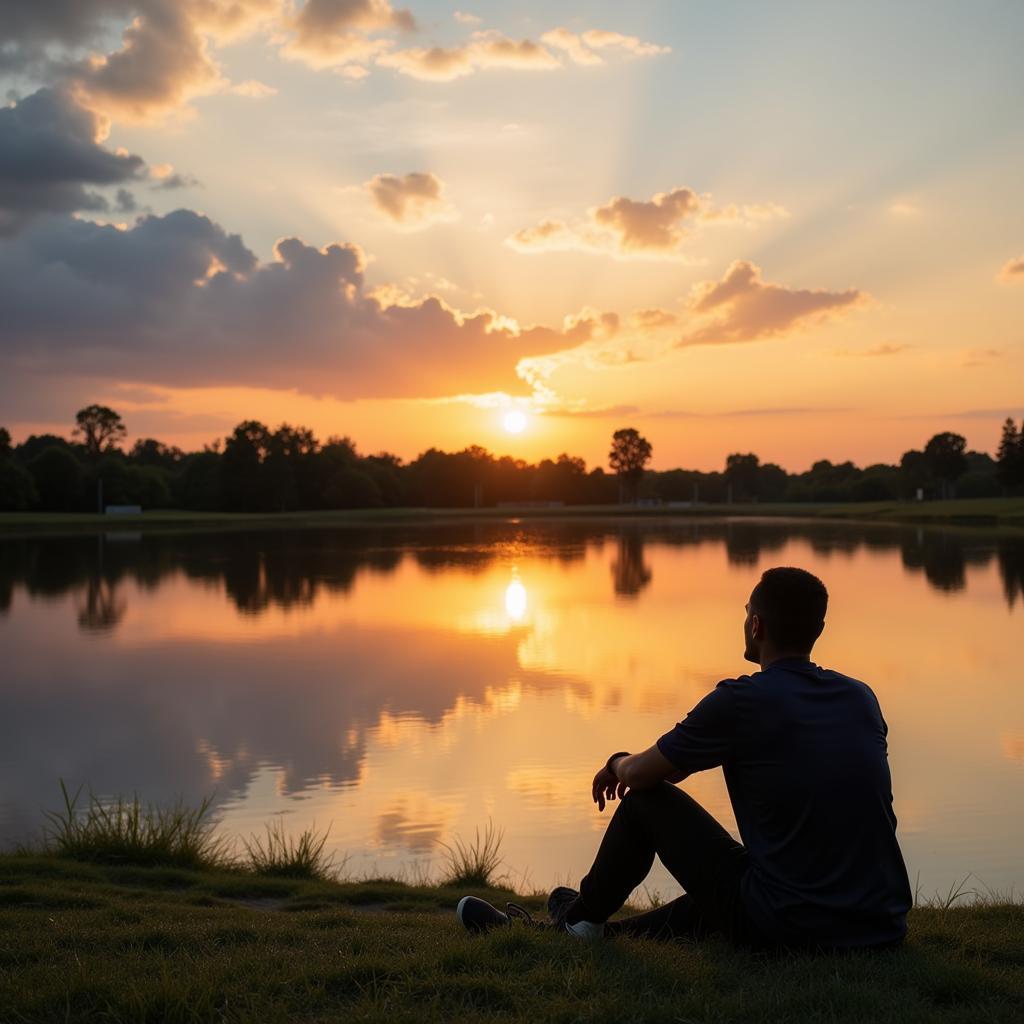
[123, 831]
[474, 863]
[283, 856]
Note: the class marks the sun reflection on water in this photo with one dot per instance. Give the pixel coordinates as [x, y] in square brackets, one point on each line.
[515, 598]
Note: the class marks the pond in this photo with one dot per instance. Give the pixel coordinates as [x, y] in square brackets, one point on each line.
[406, 685]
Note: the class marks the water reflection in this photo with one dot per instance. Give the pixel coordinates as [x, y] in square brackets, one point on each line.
[281, 569]
[408, 683]
[515, 598]
[629, 570]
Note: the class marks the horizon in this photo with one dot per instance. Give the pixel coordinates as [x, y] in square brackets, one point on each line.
[736, 229]
[126, 444]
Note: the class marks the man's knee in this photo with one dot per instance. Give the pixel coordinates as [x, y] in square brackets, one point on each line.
[655, 795]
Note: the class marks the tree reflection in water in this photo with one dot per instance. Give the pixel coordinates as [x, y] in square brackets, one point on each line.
[629, 570]
[289, 568]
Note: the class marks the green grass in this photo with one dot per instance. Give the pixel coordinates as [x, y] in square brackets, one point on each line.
[134, 914]
[120, 943]
[280, 855]
[969, 511]
[474, 863]
[124, 831]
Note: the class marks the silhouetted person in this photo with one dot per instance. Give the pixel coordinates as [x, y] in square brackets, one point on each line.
[803, 750]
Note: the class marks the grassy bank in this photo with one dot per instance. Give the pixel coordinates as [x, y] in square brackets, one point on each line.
[968, 511]
[82, 941]
[131, 913]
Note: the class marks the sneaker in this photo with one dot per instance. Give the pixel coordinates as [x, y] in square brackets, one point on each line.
[478, 915]
[559, 902]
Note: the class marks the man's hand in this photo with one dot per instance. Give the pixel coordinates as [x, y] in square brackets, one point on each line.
[607, 787]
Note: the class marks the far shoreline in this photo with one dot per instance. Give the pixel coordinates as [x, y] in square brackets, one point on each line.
[999, 513]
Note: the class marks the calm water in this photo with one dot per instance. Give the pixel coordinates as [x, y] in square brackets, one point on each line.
[406, 685]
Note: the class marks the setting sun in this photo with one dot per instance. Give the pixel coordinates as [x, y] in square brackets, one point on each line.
[515, 421]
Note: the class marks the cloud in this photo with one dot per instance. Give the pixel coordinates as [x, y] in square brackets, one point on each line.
[163, 62]
[596, 414]
[163, 59]
[31, 30]
[337, 33]
[885, 348]
[743, 307]
[1012, 271]
[755, 413]
[483, 51]
[413, 200]
[253, 89]
[651, 228]
[50, 150]
[974, 357]
[646, 318]
[176, 300]
[168, 179]
[465, 18]
[125, 202]
[585, 48]
[648, 225]
[175, 180]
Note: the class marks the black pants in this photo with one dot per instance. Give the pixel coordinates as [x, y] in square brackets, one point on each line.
[706, 861]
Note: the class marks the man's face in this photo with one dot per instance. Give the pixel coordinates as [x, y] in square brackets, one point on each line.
[751, 646]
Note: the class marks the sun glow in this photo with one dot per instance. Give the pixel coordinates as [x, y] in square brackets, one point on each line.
[515, 600]
[515, 421]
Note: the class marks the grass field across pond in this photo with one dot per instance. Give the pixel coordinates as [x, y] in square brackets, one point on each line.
[84, 941]
[1004, 512]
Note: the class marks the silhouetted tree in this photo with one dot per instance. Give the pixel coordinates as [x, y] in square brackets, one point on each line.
[201, 486]
[772, 481]
[629, 454]
[242, 468]
[99, 427]
[741, 475]
[1010, 458]
[944, 455]
[915, 474]
[17, 488]
[5, 443]
[150, 452]
[36, 444]
[58, 480]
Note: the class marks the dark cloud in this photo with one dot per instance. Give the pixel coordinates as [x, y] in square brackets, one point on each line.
[177, 300]
[175, 180]
[125, 202]
[32, 27]
[49, 151]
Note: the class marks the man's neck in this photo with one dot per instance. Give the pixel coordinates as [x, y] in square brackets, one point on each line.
[769, 658]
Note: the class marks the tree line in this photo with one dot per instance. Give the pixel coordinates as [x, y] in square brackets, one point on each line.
[259, 469]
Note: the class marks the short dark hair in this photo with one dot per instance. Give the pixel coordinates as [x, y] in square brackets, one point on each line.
[792, 603]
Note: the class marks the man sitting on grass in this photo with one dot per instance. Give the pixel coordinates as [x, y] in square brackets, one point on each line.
[804, 755]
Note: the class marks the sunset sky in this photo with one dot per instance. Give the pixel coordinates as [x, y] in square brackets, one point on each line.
[789, 228]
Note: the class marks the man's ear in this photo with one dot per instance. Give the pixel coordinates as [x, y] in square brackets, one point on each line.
[756, 627]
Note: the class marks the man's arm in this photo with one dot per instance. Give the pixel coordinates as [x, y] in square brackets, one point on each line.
[644, 770]
[702, 740]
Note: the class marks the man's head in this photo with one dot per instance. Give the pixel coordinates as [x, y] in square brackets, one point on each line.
[785, 614]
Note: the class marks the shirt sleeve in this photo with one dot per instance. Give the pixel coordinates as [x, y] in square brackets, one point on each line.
[704, 738]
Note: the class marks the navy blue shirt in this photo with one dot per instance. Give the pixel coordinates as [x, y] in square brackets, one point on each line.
[804, 755]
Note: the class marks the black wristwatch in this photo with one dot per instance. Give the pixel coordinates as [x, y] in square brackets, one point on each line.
[615, 757]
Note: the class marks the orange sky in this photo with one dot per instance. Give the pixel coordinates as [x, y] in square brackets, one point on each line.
[735, 230]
